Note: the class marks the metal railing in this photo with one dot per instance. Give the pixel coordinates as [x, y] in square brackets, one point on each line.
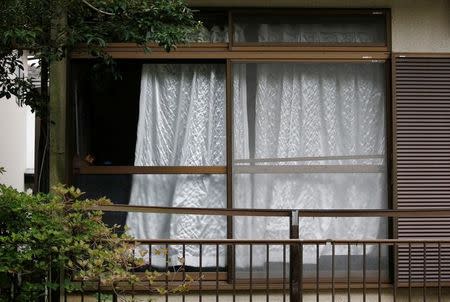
[335, 269]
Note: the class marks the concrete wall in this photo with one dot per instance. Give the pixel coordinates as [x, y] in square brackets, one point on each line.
[417, 25]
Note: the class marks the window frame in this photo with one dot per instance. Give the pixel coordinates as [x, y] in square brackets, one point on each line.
[232, 53]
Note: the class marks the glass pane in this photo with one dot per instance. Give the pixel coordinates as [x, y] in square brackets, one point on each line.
[154, 115]
[309, 136]
[311, 191]
[309, 114]
[106, 112]
[313, 28]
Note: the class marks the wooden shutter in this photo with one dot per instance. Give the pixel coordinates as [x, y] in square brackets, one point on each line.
[421, 115]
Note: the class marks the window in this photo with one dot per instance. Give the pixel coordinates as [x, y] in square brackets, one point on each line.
[310, 135]
[180, 123]
[310, 28]
[286, 114]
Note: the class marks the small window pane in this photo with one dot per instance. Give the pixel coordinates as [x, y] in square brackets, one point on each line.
[183, 190]
[186, 190]
[106, 111]
[214, 27]
[312, 191]
[327, 29]
[309, 113]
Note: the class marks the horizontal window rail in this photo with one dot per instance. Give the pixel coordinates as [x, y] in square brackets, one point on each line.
[101, 170]
[308, 158]
[288, 169]
[432, 212]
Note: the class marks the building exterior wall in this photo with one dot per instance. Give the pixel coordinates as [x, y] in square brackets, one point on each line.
[17, 126]
[13, 124]
[417, 25]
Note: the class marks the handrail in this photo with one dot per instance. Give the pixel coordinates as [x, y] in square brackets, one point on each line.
[434, 212]
[194, 211]
[287, 241]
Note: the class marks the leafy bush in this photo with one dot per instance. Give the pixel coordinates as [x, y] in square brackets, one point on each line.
[41, 234]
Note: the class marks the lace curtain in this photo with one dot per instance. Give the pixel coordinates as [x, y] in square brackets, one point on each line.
[301, 117]
[181, 123]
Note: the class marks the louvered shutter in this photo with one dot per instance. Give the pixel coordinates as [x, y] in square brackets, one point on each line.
[422, 161]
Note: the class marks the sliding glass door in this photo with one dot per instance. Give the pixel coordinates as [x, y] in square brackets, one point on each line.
[309, 135]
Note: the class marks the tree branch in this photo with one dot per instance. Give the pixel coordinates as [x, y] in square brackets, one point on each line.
[96, 9]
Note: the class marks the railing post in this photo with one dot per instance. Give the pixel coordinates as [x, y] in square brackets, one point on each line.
[295, 269]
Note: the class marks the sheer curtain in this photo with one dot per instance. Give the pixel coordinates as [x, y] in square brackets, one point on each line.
[309, 135]
[181, 123]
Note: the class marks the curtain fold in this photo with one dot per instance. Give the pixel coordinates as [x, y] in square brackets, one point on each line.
[181, 123]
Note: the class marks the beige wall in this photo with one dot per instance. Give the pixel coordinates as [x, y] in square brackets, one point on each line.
[417, 25]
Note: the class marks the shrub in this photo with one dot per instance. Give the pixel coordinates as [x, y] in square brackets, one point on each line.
[44, 235]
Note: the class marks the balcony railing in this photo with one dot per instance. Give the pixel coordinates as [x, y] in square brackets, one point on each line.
[359, 270]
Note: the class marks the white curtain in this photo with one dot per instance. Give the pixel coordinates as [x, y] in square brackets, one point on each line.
[285, 115]
[181, 123]
[298, 111]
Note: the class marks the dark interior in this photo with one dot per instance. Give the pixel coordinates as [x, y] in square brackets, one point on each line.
[105, 127]
[107, 107]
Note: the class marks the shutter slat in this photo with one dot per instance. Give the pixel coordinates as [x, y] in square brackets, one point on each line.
[422, 157]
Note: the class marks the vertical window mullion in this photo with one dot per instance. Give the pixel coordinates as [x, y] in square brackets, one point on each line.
[229, 160]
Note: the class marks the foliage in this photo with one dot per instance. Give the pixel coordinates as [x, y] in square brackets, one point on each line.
[13, 83]
[51, 28]
[42, 233]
